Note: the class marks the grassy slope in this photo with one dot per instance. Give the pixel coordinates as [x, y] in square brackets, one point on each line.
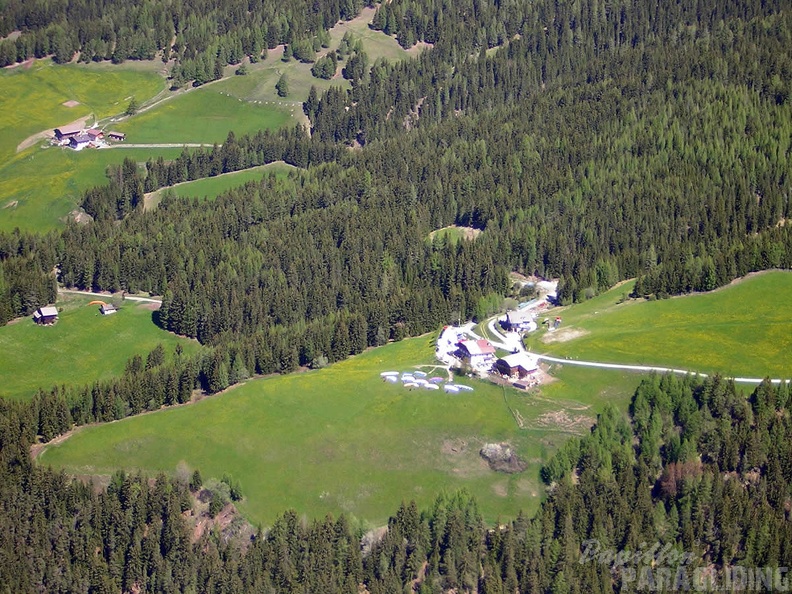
[341, 439]
[48, 184]
[31, 99]
[212, 187]
[740, 330]
[38, 189]
[259, 84]
[81, 347]
[204, 115]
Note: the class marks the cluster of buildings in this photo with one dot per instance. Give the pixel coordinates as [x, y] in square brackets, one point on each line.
[480, 356]
[78, 138]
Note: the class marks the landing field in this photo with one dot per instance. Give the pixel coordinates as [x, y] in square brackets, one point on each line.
[742, 330]
[83, 346]
[341, 439]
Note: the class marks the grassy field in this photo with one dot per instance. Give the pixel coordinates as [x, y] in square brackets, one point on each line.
[341, 439]
[212, 187]
[31, 100]
[454, 234]
[204, 115]
[81, 347]
[741, 330]
[42, 186]
[39, 188]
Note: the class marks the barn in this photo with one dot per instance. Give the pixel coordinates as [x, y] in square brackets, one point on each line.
[44, 316]
[520, 320]
[517, 365]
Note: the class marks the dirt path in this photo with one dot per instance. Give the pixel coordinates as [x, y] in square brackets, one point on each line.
[33, 139]
[126, 297]
[160, 145]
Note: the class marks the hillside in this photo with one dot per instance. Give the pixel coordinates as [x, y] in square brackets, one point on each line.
[589, 142]
[705, 332]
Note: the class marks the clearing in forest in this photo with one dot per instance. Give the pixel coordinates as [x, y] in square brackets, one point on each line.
[81, 347]
[210, 188]
[341, 439]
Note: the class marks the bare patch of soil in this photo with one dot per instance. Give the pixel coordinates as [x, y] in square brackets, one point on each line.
[501, 489]
[468, 233]
[70, 103]
[419, 47]
[563, 335]
[80, 217]
[501, 458]
[563, 421]
[12, 204]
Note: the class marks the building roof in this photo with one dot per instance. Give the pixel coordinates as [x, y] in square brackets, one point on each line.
[520, 316]
[48, 311]
[94, 132]
[68, 130]
[477, 347]
[116, 134]
[81, 138]
[108, 307]
[524, 360]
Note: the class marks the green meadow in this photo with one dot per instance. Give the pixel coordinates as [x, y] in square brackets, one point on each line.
[742, 330]
[203, 115]
[83, 346]
[211, 187]
[454, 234]
[40, 187]
[31, 100]
[342, 440]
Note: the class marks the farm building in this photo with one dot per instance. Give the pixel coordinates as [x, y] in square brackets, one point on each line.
[479, 353]
[107, 309]
[80, 141]
[46, 315]
[66, 133]
[118, 136]
[95, 134]
[517, 365]
[520, 321]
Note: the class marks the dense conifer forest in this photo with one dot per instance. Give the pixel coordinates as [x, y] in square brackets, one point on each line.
[602, 141]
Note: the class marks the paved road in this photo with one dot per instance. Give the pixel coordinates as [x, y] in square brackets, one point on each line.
[645, 368]
[106, 295]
